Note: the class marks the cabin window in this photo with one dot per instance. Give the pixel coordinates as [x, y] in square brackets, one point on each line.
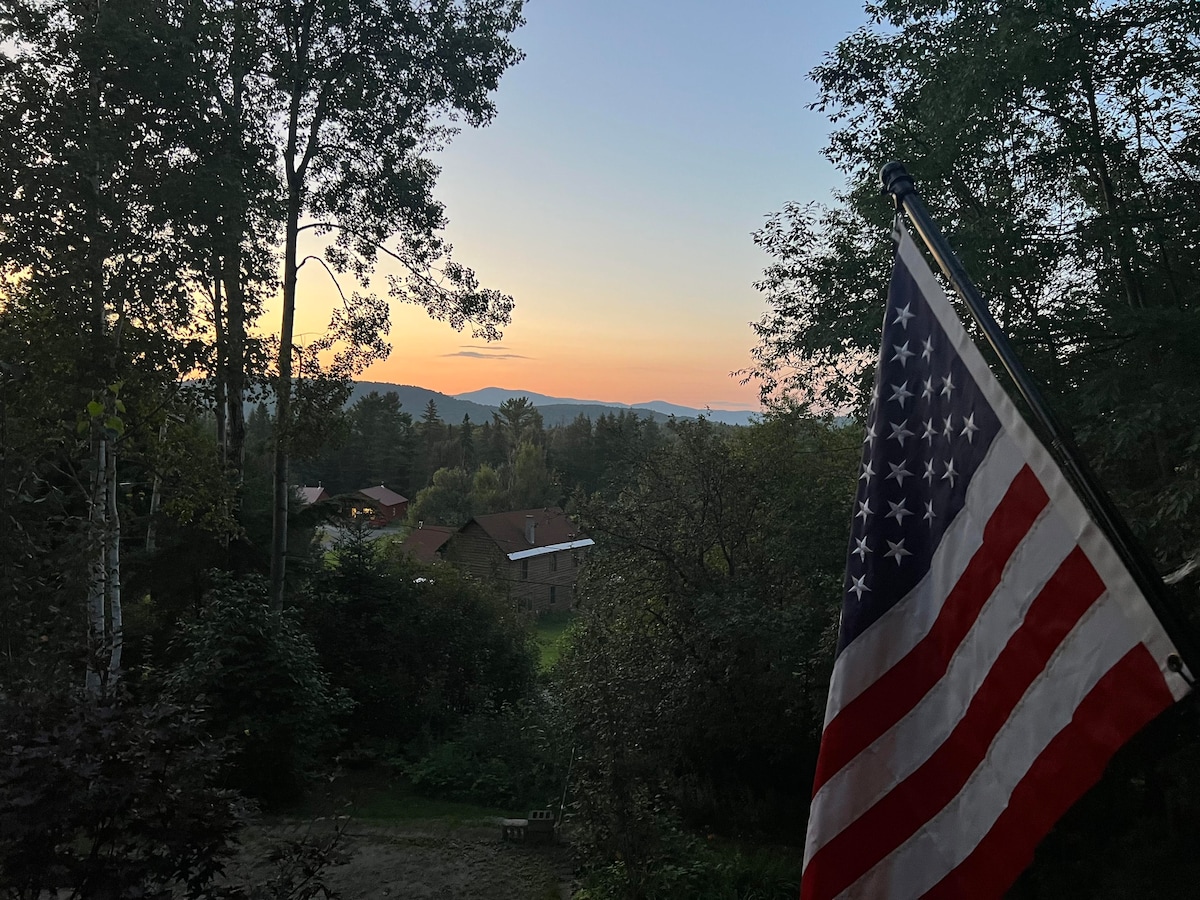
[524, 568]
[553, 593]
[553, 562]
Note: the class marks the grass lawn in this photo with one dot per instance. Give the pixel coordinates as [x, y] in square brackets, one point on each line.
[396, 804]
[380, 795]
[548, 631]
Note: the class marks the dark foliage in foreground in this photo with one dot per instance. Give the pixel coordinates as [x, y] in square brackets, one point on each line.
[108, 799]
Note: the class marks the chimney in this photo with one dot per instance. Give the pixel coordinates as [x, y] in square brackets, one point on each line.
[530, 530]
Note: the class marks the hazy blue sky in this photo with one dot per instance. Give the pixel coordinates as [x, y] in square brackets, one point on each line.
[635, 149]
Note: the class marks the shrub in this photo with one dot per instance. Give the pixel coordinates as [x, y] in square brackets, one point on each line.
[263, 686]
[99, 799]
[686, 866]
[418, 648]
[511, 758]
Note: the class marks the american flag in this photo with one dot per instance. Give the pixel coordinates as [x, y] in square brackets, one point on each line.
[994, 652]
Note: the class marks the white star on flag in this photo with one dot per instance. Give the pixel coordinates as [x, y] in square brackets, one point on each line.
[899, 432]
[969, 428]
[902, 317]
[896, 550]
[898, 511]
[900, 392]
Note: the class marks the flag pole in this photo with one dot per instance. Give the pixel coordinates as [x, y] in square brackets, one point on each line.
[899, 184]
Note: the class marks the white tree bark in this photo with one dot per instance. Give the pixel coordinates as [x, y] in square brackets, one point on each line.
[112, 558]
[97, 570]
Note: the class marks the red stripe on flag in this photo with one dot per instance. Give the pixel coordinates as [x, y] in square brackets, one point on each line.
[889, 699]
[1060, 604]
[1129, 695]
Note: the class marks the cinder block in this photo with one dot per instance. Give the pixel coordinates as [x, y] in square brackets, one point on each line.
[513, 829]
[540, 825]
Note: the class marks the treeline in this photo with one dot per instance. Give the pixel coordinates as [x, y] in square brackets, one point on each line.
[452, 471]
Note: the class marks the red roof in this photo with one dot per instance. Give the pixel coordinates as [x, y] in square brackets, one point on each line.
[311, 495]
[551, 526]
[383, 496]
[424, 542]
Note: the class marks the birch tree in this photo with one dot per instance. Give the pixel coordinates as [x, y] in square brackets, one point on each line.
[85, 245]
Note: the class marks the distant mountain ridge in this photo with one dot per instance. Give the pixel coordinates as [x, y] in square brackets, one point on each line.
[480, 405]
[495, 396]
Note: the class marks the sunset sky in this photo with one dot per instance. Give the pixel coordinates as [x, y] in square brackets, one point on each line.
[636, 148]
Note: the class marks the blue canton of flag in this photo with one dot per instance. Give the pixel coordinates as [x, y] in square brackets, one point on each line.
[928, 430]
[994, 651]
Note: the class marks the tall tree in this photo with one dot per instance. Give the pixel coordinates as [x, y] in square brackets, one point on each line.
[530, 481]
[712, 592]
[447, 500]
[368, 88]
[381, 442]
[431, 422]
[1057, 142]
[230, 185]
[466, 442]
[570, 450]
[518, 420]
[90, 242]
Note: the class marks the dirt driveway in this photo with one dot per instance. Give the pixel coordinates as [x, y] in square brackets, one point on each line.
[415, 860]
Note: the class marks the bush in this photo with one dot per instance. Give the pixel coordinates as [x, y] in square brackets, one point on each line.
[417, 648]
[103, 800]
[686, 866]
[511, 758]
[263, 686]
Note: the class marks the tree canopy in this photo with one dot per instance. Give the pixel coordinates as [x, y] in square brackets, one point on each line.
[1055, 143]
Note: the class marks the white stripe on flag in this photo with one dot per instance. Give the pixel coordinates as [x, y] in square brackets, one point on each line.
[908, 744]
[1096, 644]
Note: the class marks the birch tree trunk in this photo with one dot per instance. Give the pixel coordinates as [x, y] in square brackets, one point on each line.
[112, 559]
[97, 569]
[155, 495]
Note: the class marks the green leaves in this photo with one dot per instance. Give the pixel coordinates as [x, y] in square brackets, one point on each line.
[97, 794]
[103, 413]
[1055, 145]
[698, 668]
[263, 685]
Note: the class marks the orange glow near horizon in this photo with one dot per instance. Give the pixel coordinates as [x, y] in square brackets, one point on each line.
[634, 350]
[551, 360]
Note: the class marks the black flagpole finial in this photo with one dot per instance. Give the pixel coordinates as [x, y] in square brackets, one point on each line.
[895, 180]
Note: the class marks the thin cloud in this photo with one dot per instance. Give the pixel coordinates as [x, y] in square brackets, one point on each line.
[476, 354]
